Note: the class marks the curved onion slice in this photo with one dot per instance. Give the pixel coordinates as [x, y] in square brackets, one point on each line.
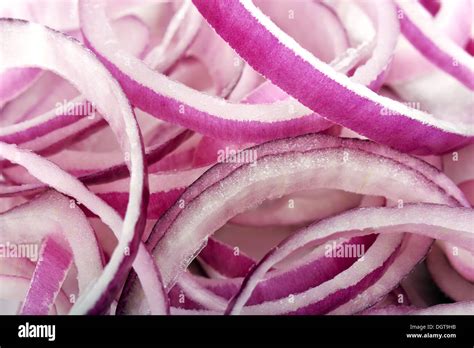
[366, 75]
[283, 167]
[310, 206]
[454, 20]
[74, 110]
[448, 280]
[158, 95]
[50, 174]
[280, 286]
[459, 308]
[328, 158]
[50, 273]
[186, 14]
[168, 100]
[109, 99]
[219, 258]
[446, 223]
[103, 166]
[384, 18]
[15, 81]
[287, 68]
[16, 287]
[20, 225]
[419, 29]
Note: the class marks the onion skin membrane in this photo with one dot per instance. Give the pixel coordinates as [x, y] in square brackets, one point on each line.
[265, 157]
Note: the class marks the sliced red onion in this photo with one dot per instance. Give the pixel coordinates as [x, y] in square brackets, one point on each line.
[281, 285]
[15, 288]
[50, 174]
[37, 99]
[16, 81]
[225, 69]
[240, 122]
[448, 280]
[67, 111]
[419, 29]
[332, 40]
[459, 308]
[355, 76]
[444, 221]
[38, 126]
[301, 207]
[186, 14]
[272, 121]
[302, 143]
[384, 18]
[287, 165]
[243, 19]
[414, 250]
[19, 225]
[51, 270]
[122, 63]
[104, 167]
[217, 257]
[14, 35]
[454, 20]
[170, 185]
